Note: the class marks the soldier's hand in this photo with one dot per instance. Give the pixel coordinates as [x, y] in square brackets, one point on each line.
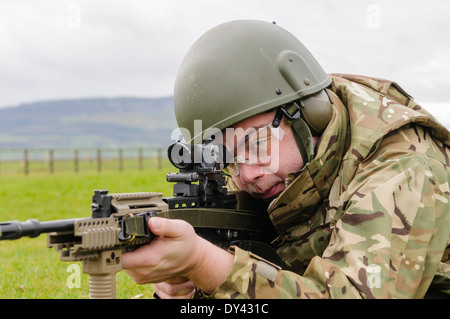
[176, 288]
[174, 252]
[177, 251]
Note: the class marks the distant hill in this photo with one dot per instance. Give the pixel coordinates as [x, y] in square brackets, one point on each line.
[97, 122]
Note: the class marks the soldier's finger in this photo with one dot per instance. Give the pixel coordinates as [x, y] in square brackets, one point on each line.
[168, 227]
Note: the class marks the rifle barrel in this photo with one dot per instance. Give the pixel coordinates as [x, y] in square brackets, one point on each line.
[33, 228]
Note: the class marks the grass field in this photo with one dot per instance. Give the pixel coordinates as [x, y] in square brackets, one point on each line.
[28, 269]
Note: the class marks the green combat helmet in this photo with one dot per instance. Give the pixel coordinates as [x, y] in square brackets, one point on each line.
[242, 68]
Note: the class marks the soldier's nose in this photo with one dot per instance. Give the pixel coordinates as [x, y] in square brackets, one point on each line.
[249, 173]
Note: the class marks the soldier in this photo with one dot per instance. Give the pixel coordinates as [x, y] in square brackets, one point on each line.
[354, 173]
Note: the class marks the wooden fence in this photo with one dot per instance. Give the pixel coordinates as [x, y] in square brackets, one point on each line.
[50, 161]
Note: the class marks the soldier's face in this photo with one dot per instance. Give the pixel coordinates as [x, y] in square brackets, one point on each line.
[264, 156]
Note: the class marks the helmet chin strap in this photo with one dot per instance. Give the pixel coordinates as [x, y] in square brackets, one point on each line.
[300, 129]
[304, 139]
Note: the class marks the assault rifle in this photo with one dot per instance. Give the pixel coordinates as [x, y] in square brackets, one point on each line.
[119, 222]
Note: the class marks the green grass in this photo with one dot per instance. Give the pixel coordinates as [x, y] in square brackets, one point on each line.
[28, 269]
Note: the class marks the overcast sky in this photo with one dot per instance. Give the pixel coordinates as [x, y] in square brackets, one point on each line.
[53, 49]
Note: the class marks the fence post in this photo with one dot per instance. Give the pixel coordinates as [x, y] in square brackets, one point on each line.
[99, 160]
[51, 161]
[140, 159]
[120, 159]
[160, 158]
[26, 163]
[75, 161]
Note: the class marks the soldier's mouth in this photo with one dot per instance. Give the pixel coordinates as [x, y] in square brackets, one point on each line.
[272, 191]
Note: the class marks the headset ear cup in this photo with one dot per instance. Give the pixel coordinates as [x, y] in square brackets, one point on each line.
[316, 111]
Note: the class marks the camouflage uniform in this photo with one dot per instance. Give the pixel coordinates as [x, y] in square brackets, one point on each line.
[369, 216]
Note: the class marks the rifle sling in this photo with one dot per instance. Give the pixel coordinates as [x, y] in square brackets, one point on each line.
[222, 219]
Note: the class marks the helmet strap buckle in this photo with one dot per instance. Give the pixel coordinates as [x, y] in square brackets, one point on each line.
[301, 131]
[291, 110]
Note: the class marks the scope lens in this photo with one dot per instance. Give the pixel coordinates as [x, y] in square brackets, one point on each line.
[179, 155]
